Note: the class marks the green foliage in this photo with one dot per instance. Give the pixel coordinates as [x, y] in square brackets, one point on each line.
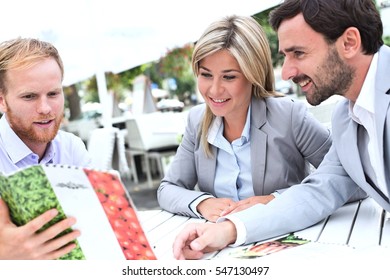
[262, 19]
[115, 82]
[176, 64]
[126, 78]
[386, 40]
[91, 91]
[153, 72]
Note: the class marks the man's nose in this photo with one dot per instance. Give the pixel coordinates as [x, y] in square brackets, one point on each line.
[289, 70]
[43, 106]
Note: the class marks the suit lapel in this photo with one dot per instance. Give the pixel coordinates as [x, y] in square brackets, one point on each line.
[208, 167]
[386, 146]
[382, 105]
[258, 145]
[350, 158]
[348, 147]
[382, 102]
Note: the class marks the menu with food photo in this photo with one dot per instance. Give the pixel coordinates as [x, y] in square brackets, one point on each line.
[106, 216]
[262, 249]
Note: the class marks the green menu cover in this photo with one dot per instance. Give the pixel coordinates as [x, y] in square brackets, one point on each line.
[105, 213]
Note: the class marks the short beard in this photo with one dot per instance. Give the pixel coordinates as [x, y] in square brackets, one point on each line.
[336, 78]
[28, 133]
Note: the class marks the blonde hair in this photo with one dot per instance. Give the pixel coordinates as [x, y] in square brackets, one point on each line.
[23, 53]
[246, 40]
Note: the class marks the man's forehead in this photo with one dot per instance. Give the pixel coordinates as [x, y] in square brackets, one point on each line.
[295, 34]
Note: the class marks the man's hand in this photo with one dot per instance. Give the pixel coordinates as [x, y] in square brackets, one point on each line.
[25, 243]
[211, 208]
[196, 239]
[246, 203]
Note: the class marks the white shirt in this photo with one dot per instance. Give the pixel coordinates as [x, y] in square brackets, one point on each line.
[363, 112]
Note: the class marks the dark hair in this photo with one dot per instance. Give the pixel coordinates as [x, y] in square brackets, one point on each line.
[332, 17]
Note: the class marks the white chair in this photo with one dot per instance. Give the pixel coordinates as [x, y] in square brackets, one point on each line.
[107, 149]
[155, 131]
[124, 157]
[100, 145]
[154, 137]
[82, 128]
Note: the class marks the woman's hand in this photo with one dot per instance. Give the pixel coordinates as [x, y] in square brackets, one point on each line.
[246, 203]
[211, 208]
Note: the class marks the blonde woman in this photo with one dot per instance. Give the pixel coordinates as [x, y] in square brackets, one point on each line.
[246, 143]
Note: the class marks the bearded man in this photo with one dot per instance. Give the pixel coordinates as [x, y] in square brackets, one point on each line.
[32, 103]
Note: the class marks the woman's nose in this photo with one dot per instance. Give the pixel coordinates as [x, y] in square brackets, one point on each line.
[216, 87]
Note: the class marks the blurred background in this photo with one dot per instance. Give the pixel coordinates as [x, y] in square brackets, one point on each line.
[128, 70]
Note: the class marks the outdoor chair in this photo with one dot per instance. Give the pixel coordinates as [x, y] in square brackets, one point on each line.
[101, 144]
[153, 137]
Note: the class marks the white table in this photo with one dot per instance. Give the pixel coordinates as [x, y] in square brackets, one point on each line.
[356, 227]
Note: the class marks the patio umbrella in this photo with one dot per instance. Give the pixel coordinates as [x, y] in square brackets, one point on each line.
[94, 37]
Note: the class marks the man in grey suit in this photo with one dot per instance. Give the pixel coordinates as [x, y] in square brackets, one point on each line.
[330, 47]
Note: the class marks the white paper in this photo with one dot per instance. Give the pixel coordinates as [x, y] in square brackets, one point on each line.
[97, 240]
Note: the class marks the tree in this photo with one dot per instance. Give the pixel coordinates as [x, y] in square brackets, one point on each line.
[72, 101]
[262, 19]
[386, 40]
[117, 84]
[176, 64]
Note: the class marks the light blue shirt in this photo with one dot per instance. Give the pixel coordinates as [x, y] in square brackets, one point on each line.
[66, 148]
[233, 177]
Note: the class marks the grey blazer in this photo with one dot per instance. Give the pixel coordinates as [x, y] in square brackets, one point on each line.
[340, 176]
[284, 138]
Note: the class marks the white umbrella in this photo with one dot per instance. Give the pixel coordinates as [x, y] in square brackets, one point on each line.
[94, 37]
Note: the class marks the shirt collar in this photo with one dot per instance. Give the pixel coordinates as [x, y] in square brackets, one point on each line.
[365, 100]
[247, 128]
[19, 150]
[49, 153]
[216, 128]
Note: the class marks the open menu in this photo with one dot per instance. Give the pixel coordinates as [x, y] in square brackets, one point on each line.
[262, 249]
[105, 213]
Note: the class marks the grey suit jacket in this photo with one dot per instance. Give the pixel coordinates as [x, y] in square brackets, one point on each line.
[339, 176]
[284, 138]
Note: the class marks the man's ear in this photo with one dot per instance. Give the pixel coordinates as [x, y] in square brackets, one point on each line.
[349, 43]
[3, 104]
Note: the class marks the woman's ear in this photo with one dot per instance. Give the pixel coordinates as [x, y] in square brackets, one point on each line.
[349, 43]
